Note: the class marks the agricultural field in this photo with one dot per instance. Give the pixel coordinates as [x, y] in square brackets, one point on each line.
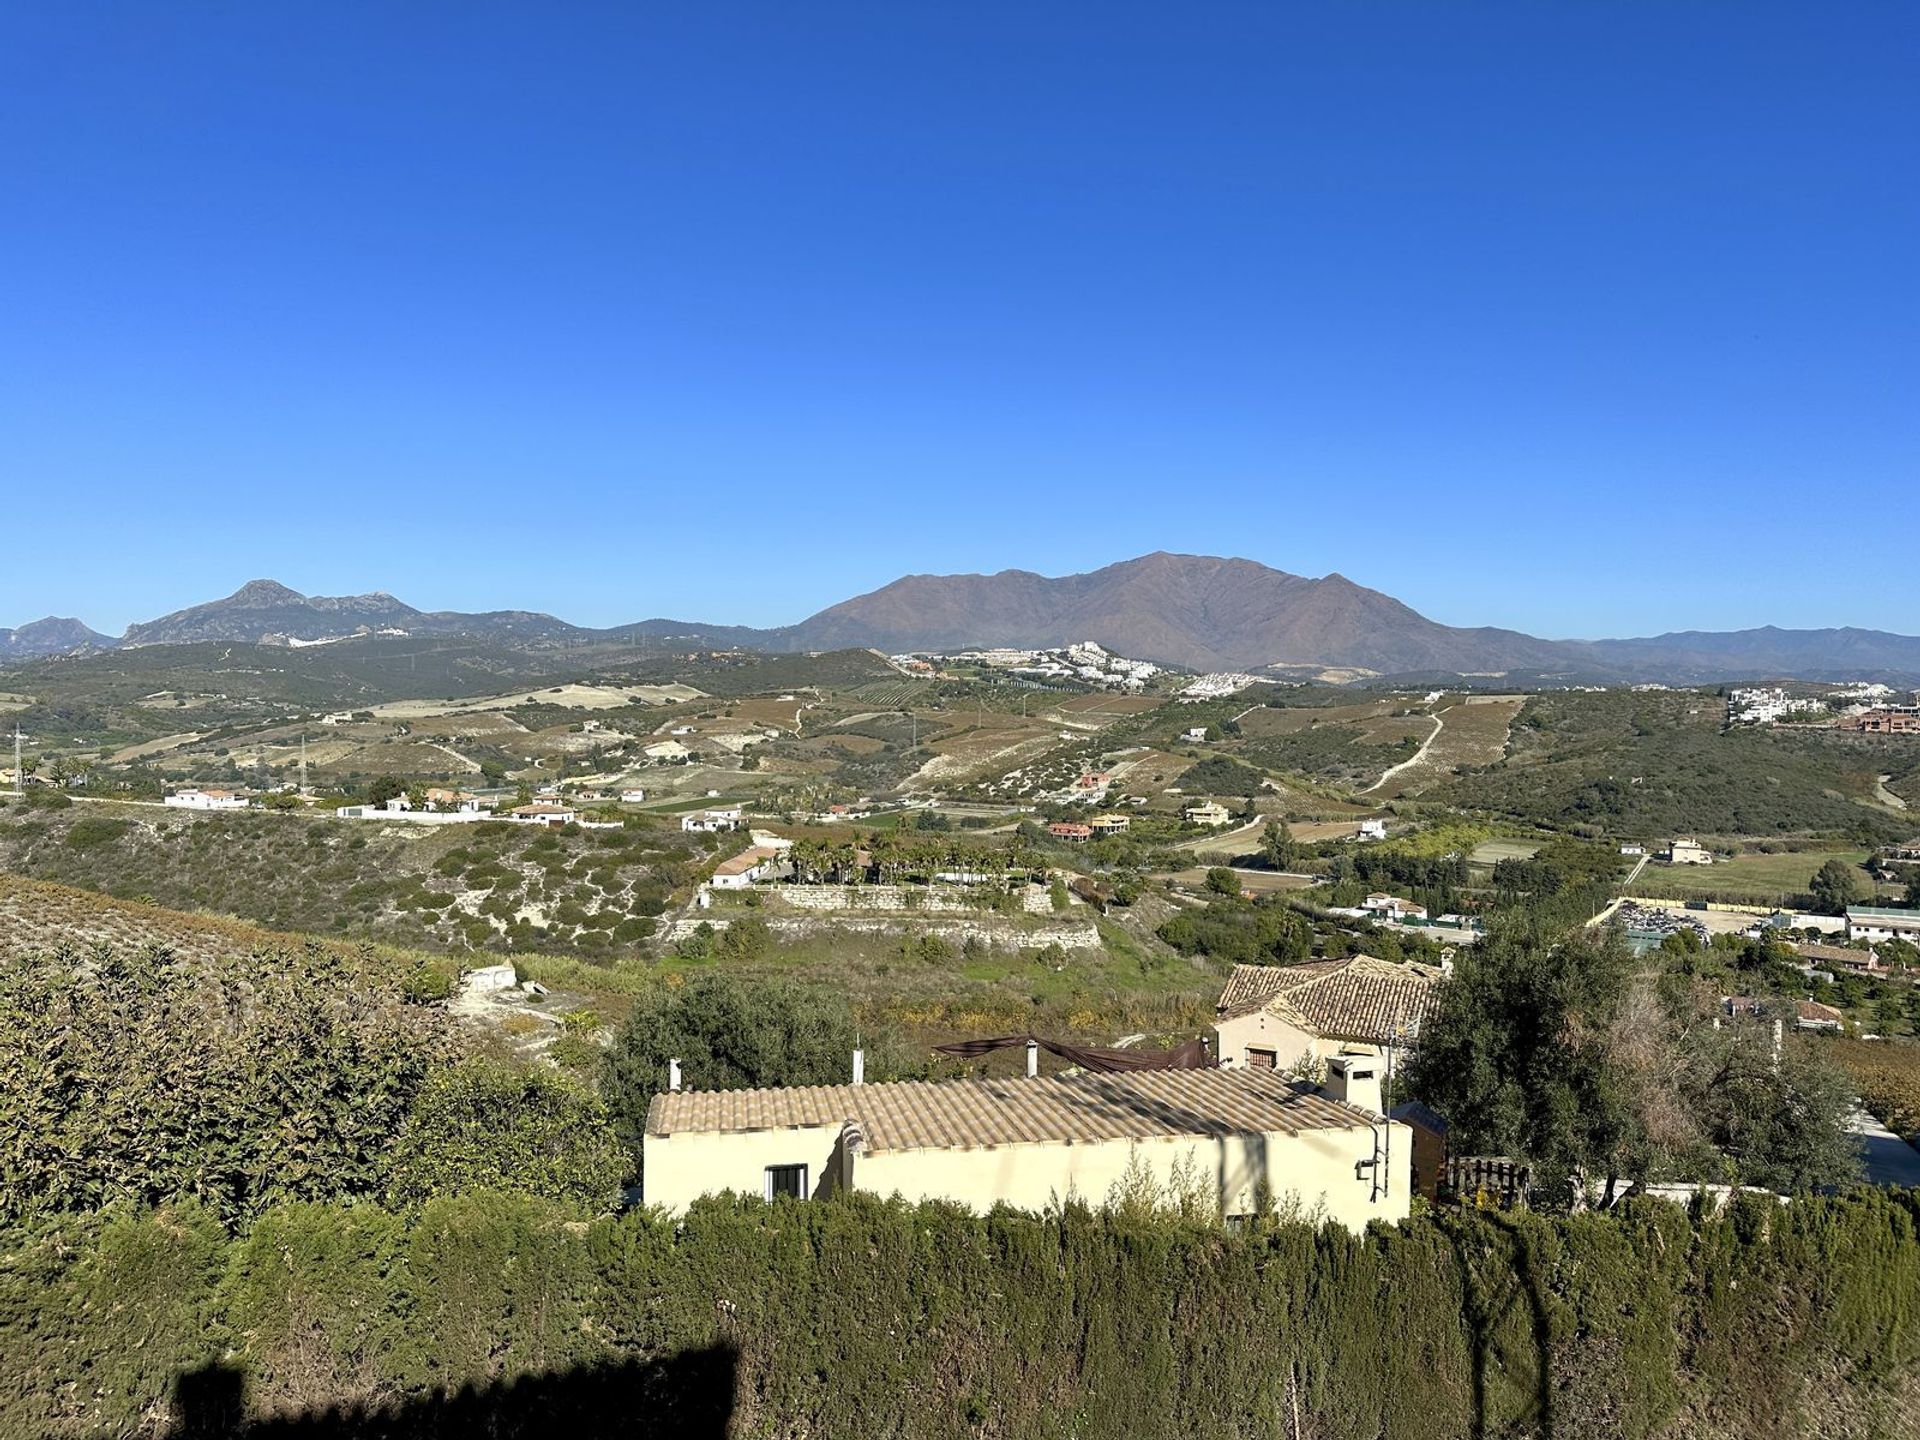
[772, 712]
[1266, 721]
[1354, 753]
[1103, 707]
[1473, 732]
[1492, 852]
[1888, 1076]
[888, 694]
[1748, 879]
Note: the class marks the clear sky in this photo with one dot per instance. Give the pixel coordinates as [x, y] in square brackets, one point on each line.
[1588, 319]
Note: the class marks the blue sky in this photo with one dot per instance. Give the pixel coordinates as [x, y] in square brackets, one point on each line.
[1584, 319]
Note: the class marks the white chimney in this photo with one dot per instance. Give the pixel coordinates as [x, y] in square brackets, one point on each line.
[1033, 1058]
[1355, 1080]
[673, 1073]
[859, 1067]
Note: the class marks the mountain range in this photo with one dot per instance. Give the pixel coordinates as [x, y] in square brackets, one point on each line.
[1190, 611]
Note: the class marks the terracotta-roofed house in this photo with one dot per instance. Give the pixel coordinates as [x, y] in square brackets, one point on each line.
[1272, 1017]
[1812, 1015]
[1033, 1141]
[740, 871]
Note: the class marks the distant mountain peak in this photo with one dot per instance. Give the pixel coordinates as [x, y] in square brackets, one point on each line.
[1202, 612]
[262, 592]
[54, 635]
[1199, 612]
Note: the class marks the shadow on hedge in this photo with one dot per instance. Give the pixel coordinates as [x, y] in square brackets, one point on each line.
[689, 1394]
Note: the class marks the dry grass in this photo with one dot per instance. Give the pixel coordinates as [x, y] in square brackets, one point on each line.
[1291, 720]
[1474, 733]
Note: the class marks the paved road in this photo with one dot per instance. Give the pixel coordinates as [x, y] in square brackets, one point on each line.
[1890, 1160]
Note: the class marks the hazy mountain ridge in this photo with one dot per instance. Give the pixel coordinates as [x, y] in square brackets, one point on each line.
[55, 635]
[1190, 611]
[265, 609]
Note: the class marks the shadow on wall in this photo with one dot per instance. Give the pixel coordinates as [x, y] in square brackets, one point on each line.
[1491, 1298]
[689, 1394]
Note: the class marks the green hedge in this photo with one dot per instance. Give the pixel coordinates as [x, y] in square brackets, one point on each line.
[862, 1318]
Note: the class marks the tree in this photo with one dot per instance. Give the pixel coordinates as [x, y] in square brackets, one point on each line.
[728, 1033]
[483, 1125]
[1563, 1053]
[1517, 1058]
[1222, 881]
[384, 788]
[1276, 843]
[1835, 886]
[1778, 1115]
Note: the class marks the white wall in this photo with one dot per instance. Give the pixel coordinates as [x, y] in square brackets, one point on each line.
[1314, 1172]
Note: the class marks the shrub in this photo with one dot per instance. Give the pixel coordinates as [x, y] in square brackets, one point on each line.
[487, 1126]
[92, 831]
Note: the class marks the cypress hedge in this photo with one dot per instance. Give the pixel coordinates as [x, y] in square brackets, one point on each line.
[499, 1314]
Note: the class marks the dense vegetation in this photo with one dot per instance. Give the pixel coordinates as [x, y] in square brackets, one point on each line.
[1605, 1072]
[1638, 765]
[510, 886]
[855, 1318]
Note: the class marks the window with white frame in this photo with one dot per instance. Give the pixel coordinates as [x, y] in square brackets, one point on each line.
[786, 1180]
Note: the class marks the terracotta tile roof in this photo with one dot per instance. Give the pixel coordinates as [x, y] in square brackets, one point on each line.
[1359, 998]
[1835, 954]
[977, 1114]
[1251, 986]
[743, 862]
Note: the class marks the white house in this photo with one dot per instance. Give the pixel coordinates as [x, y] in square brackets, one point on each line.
[1277, 1017]
[464, 812]
[1865, 922]
[1688, 852]
[752, 864]
[1195, 734]
[1206, 812]
[632, 797]
[719, 817]
[543, 813]
[1248, 1136]
[1372, 830]
[1392, 907]
[207, 800]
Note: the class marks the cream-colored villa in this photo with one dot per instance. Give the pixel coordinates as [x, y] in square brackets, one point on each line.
[1273, 1017]
[1035, 1141]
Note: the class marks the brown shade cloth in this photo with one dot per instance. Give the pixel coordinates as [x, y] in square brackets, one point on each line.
[1190, 1056]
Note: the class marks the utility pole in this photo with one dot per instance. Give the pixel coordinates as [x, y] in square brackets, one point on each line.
[303, 762]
